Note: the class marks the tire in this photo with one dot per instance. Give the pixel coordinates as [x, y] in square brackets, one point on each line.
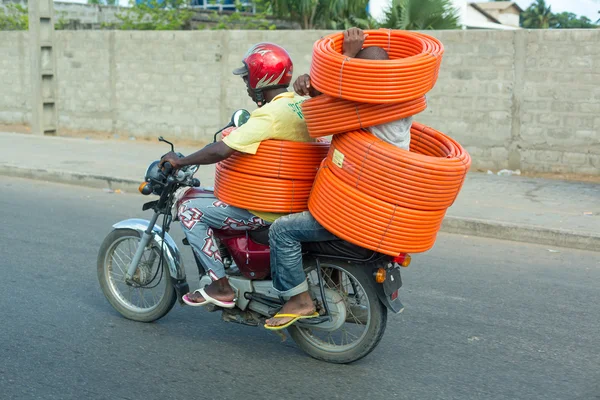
[377, 322]
[141, 314]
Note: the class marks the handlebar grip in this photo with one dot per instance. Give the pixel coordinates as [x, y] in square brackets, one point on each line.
[168, 168]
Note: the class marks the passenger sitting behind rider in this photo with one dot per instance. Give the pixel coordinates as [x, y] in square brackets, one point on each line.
[287, 233]
[267, 72]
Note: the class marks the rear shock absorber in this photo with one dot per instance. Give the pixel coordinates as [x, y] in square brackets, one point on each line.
[225, 256]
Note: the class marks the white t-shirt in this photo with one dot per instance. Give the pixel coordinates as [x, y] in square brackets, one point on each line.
[396, 133]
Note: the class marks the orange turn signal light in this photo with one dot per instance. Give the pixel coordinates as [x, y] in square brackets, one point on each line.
[380, 275]
[142, 186]
[402, 259]
[406, 261]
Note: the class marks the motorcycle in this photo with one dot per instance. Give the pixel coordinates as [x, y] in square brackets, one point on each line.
[142, 275]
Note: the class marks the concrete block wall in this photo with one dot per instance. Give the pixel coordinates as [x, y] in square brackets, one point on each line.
[87, 13]
[15, 89]
[84, 81]
[473, 98]
[560, 105]
[524, 99]
[176, 84]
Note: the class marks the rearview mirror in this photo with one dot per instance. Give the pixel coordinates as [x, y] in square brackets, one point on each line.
[239, 118]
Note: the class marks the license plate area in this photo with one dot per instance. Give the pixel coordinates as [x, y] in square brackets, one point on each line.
[392, 282]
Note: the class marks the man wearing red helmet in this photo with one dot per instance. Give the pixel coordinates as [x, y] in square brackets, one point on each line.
[267, 71]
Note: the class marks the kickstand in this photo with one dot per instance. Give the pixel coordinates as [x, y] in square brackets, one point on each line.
[322, 289]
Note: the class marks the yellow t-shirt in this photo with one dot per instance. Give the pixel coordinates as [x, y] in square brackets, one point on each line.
[280, 119]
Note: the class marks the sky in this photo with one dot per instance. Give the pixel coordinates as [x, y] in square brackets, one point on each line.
[589, 8]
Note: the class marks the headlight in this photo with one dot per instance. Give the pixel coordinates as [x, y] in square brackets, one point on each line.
[156, 177]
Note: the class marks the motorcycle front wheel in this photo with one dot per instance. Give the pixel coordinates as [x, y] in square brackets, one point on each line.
[149, 295]
[365, 321]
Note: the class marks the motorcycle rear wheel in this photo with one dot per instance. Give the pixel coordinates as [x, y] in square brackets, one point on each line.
[357, 287]
[151, 277]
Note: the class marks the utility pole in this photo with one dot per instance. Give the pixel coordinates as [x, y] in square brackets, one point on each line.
[43, 67]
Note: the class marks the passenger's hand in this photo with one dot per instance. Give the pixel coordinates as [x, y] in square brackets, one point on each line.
[353, 42]
[172, 159]
[303, 87]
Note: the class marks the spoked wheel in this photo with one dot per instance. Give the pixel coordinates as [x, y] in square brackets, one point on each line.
[359, 318]
[150, 294]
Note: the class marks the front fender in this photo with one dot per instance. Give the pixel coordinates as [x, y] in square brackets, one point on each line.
[171, 254]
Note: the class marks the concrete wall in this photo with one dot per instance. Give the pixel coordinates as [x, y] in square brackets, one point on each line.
[15, 89]
[515, 99]
[87, 13]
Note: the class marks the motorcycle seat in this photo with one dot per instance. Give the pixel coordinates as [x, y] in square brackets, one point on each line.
[260, 235]
[333, 248]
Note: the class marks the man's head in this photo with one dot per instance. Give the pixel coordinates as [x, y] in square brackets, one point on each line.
[267, 67]
[373, 53]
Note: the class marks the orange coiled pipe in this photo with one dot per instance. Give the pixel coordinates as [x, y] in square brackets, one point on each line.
[278, 178]
[281, 159]
[386, 199]
[369, 222]
[410, 73]
[429, 177]
[326, 115]
[260, 193]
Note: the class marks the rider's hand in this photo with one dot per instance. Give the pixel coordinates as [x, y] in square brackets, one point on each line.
[171, 158]
[353, 42]
[303, 87]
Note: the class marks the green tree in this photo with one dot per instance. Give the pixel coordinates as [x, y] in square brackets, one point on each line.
[567, 20]
[344, 14]
[238, 20]
[322, 14]
[14, 17]
[302, 11]
[158, 15]
[421, 15]
[538, 16]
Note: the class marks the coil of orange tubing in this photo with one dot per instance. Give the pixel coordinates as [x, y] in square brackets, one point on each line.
[410, 73]
[326, 115]
[369, 222]
[281, 159]
[261, 193]
[429, 177]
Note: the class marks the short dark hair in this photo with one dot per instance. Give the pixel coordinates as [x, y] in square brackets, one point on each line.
[373, 53]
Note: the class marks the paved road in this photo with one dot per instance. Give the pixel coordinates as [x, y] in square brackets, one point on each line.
[484, 319]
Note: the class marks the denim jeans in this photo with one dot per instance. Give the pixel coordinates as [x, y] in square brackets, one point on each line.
[200, 216]
[285, 238]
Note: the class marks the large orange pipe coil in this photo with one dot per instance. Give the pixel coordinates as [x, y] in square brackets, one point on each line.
[410, 73]
[278, 178]
[260, 193]
[281, 159]
[386, 199]
[326, 115]
[369, 222]
[429, 177]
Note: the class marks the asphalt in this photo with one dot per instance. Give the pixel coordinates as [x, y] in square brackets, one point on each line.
[484, 319]
[549, 212]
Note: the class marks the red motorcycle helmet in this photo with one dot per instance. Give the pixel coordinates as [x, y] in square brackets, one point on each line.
[266, 66]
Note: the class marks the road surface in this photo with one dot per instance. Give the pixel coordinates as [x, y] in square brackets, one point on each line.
[484, 319]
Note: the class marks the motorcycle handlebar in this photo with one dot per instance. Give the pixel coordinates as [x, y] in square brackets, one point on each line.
[168, 168]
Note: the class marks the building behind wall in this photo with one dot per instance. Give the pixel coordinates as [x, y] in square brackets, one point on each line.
[502, 15]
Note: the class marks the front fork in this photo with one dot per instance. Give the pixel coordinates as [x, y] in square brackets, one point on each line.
[147, 236]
